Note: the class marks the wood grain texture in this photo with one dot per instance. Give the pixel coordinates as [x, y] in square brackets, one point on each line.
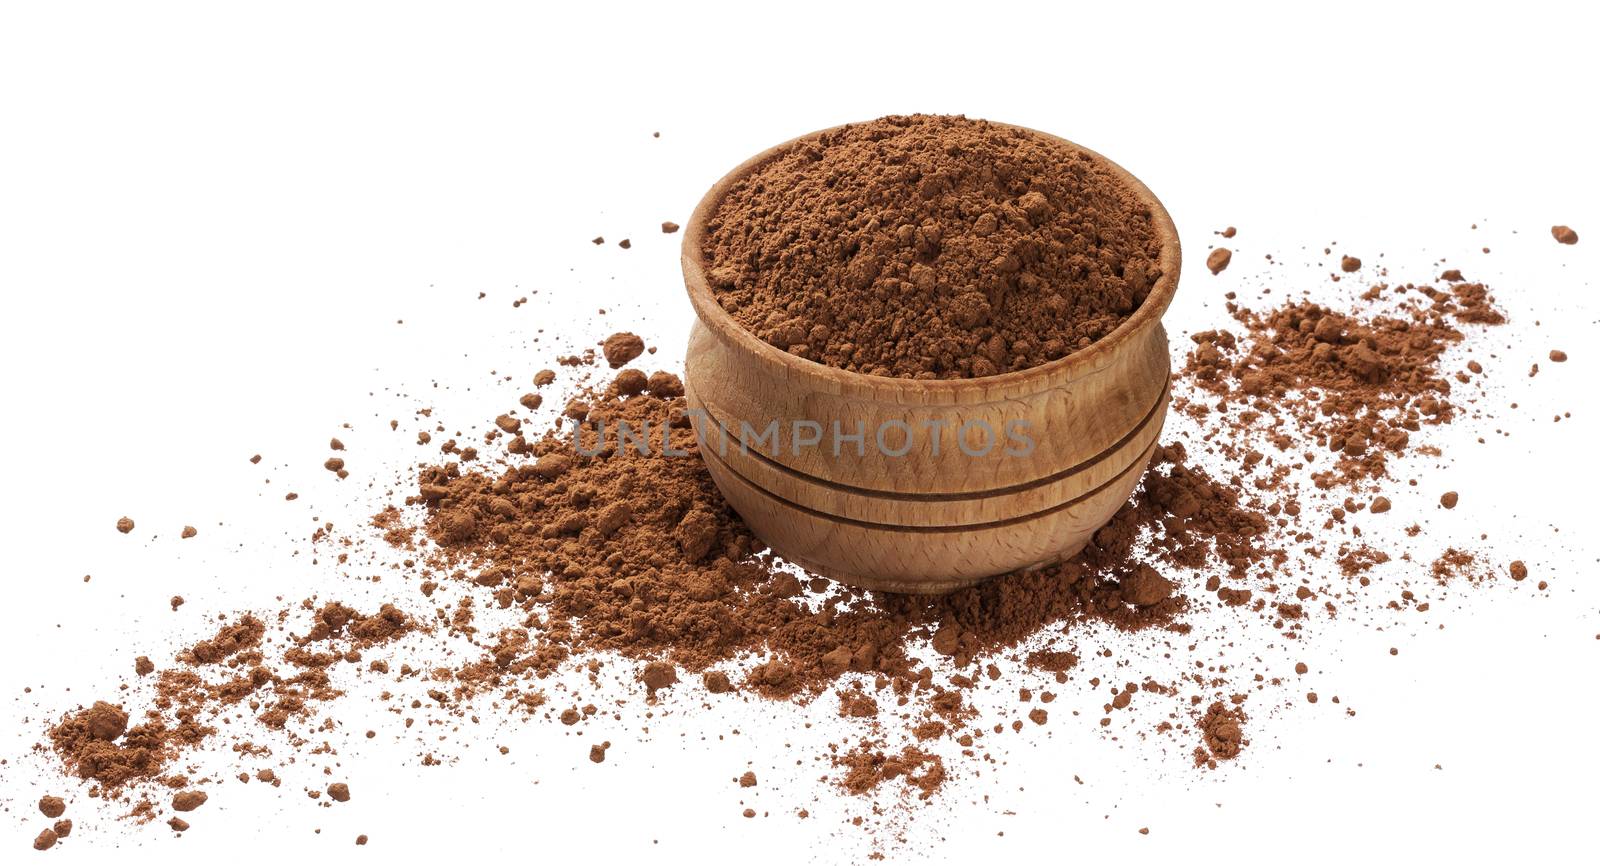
[935, 517]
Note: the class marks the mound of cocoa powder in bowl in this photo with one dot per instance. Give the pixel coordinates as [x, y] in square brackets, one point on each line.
[931, 247]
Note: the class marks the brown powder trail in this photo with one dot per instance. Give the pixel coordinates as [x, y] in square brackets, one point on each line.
[107, 745]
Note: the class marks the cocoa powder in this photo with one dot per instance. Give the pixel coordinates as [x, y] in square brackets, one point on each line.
[612, 553]
[1357, 384]
[929, 246]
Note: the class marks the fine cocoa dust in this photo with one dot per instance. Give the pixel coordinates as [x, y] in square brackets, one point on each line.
[931, 247]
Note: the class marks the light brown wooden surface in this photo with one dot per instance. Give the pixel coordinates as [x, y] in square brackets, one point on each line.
[935, 518]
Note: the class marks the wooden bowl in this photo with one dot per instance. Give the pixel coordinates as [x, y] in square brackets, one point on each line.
[938, 517]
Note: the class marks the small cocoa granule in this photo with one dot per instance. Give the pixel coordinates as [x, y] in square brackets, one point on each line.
[631, 382]
[1380, 505]
[1349, 264]
[255, 458]
[333, 464]
[1558, 356]
[625, 244]
[1145, 587]
[669, 227]
[339, 792]
[45, 840]
[658, 675]
[124, 525]
[597, 752]
[1228, 232]
[1449, 499]
[1519, 571]
[1219, 259]
[622, 347]
[189, 532]
[188, 801]
[63, 828]
[176, 602]
[1563, 235]
[177, 824]
[52, 806]
[143, 665]
[362, 839]
[748, 780]
[598, 240]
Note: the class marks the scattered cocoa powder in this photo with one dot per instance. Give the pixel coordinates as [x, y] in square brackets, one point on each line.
[636, 555]
[1356, 384]
[867, 766]
[931, 247]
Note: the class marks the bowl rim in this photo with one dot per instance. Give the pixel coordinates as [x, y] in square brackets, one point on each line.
[714, 316]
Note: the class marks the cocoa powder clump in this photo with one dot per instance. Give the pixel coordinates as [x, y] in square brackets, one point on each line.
[622, 347]
[931, 246]
[1221, 734]
[1219, 259]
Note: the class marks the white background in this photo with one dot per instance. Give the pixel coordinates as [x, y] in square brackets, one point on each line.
[212, 217]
